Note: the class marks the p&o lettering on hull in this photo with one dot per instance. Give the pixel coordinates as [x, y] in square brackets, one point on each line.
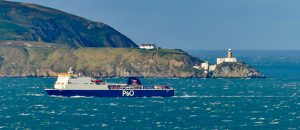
[128, 93]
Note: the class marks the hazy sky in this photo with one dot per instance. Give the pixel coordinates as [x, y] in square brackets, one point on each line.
[195, 24]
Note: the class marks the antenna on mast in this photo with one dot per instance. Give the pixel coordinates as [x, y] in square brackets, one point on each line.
[70, 70]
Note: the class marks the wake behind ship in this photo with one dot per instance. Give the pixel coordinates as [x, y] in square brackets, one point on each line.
[73, 85]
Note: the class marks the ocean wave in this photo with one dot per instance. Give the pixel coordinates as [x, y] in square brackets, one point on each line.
[38, 105]
[81, 96]
[32, 94]
[57, 96]
[187, 96]
[25, 114]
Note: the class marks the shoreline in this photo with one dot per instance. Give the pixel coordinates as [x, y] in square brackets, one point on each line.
[146, 77]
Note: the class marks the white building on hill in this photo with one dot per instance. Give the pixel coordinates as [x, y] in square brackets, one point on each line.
[149, 46]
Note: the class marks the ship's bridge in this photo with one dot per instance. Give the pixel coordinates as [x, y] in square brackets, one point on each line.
[62, 79]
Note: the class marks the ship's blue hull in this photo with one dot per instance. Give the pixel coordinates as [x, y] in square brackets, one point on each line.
[111, 93]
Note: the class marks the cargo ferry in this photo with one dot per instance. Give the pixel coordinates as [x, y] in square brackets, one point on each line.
[69, 84]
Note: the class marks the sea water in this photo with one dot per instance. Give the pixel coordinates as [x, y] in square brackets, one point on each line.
[270, 103]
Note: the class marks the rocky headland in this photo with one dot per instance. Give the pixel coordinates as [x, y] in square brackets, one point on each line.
[37, 41]
[47, 60]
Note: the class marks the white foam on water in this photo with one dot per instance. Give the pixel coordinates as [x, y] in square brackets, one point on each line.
[38, 105]
[38, 95]
[259, 122]
[79, 110]
[156, 97]
[57, 96]
[214, 116]
[113, 104]
[253, 96]
[24, 114]
[256, 111]
[32, 94]
[192, 115]
[226, 120]
[33, 87]
[188, 96]
[81, 96]
[84, 114]
[273, 123]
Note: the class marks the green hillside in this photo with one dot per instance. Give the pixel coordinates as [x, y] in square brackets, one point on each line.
[30, 22]
[32, 60]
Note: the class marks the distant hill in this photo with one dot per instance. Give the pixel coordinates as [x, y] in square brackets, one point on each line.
[31, 22]
[34, 59]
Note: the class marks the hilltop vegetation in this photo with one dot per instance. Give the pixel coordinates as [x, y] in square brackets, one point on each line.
[102, 62]
[31, 22]
[47, 59]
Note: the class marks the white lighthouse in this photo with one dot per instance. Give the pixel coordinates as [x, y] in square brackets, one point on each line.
[228, 59]
[229, 53]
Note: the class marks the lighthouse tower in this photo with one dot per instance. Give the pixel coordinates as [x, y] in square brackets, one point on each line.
[229, 53]
[228, 59]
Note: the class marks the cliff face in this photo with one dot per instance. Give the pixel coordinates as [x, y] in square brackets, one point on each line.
[101, 62]
[36, 59]
[30, 22]
[236, 70]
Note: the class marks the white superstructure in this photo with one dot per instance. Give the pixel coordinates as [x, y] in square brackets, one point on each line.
[70, 81]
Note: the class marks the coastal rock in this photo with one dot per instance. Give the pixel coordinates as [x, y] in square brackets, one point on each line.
[96, 74]
[51, 73]
[236, 70]
[104, 74]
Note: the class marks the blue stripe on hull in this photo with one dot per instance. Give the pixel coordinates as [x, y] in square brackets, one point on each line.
[112, 93]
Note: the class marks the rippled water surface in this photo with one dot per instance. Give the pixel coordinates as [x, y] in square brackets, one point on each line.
[198, 104]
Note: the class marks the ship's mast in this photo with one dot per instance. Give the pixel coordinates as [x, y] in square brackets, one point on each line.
[70, 70]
